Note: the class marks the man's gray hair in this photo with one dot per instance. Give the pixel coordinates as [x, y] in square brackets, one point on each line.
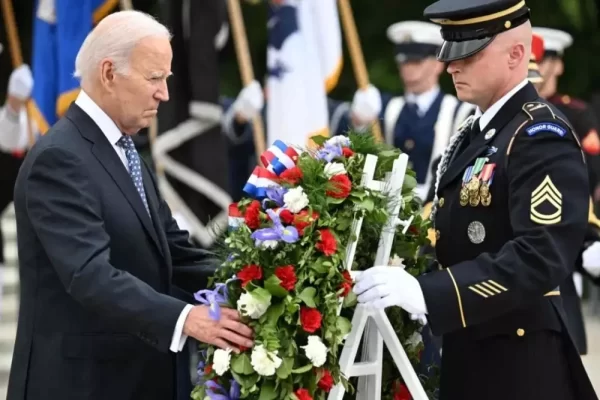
[114, 38]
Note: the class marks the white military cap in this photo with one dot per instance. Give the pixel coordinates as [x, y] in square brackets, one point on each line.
[415, 40]
[555, 41]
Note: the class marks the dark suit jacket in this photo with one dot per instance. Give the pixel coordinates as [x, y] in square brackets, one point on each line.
[97, 310]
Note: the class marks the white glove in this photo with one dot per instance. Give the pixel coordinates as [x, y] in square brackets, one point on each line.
[366, 104]
[250, 101]
[381, 287]
[20, 83]
[591, 259]
[422, 318]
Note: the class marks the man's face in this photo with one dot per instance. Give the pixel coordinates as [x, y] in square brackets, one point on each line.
[476, 76]
[140, 91]
[414, 73]
[550, 68]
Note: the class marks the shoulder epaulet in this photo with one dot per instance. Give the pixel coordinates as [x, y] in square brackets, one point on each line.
[538, 110]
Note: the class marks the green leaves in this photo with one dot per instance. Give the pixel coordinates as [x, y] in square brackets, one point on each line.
[273, 285]
[308, 296]
[240, 363]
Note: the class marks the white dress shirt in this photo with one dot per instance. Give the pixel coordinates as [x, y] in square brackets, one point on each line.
[423, 100]
[113, 134]
[491, 112]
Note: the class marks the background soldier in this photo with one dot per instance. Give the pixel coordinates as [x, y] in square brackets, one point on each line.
[421, 121]
[505, 249]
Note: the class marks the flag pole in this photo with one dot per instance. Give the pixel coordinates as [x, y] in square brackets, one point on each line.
[356, 55]
[246, 71]
[14, 45]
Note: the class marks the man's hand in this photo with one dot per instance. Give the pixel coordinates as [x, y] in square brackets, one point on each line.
[227, 333]
[249, 102]
[366, 105]
[382, 286]
[20, 83]
[591, 259]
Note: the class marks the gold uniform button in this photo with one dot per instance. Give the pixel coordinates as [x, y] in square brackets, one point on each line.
[441, 202]
[437, 234]
[520, 332]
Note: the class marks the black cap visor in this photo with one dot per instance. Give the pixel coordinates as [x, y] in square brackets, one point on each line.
[452, 51]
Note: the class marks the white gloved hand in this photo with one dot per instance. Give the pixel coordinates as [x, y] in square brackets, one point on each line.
[250, 101]
[422, 318]
[20, 83]
[591, 259]
[366, 104]
[381, 287]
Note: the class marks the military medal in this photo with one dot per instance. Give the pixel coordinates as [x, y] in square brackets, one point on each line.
[464, 192]
[486, 176]
[476, 232]
[490, 134]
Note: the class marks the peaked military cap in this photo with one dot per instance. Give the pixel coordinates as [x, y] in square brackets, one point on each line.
[537, 54]
[555, 41]
[415, 40]
[468, 26]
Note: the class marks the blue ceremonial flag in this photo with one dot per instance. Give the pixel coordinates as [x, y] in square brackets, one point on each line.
[60, 27]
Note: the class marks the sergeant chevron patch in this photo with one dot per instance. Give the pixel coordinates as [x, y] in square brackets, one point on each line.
[546, 203]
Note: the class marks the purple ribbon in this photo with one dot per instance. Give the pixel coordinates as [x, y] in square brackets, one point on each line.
[288, 234]
[213, 298]
[234, 391]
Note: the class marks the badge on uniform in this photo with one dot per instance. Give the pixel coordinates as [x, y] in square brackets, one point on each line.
[476, 183]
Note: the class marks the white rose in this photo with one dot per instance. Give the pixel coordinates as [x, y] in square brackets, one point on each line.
[252, 307]
[338, 140]
[316, 351]
[267, 244]
[295, 199]
[336, 168]
[221, 360]
[264, 362]
[414, 340]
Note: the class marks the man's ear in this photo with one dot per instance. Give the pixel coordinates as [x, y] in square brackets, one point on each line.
[517, 54]
[107, 73]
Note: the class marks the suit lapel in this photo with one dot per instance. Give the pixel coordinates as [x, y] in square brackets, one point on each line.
[111, 162]
[479, 144]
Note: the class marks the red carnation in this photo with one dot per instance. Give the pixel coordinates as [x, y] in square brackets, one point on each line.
[302, 394]
[286, 216]
[347, 152]
[252, 216]
[341, 186]
[208, 369]
[287, 276]
[249, 273]
[401, 392]
[327, 244]
[326, 382]
[346, 284]
[310, 319]
[303, 219]
[292, 175]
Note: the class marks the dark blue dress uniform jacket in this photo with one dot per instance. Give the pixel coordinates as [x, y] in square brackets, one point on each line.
[495, 297]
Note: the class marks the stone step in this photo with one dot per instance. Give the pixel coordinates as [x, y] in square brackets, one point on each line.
[8, 333]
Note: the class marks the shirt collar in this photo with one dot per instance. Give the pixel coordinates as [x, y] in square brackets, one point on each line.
[486, 117]
[104, 122]
[423, 100]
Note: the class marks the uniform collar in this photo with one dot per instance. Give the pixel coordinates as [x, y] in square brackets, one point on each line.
[423, 100]
[486, 117]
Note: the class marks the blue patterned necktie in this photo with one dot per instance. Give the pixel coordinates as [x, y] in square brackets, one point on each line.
[135, 170]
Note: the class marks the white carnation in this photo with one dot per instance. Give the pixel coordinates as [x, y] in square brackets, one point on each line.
[414, 340]
[333, 169]
[267, 244]
[295, 199]
[252, 307]
[338, 140]
[264, 362]
[221, 360]
[316, 351]
[396, 261]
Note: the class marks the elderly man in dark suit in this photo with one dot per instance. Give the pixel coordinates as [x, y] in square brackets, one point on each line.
[99, 250]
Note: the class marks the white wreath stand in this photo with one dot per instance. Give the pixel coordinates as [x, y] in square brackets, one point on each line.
[373, 326]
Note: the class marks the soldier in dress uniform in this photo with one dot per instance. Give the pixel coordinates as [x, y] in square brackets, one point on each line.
[421, 121]
[510, 213]
[577, 112]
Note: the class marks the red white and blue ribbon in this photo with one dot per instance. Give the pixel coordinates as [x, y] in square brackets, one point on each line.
[279, 157]
[258, 183]
[235, 217]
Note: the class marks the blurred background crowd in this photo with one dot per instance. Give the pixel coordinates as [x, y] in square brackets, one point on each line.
[204, 142]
